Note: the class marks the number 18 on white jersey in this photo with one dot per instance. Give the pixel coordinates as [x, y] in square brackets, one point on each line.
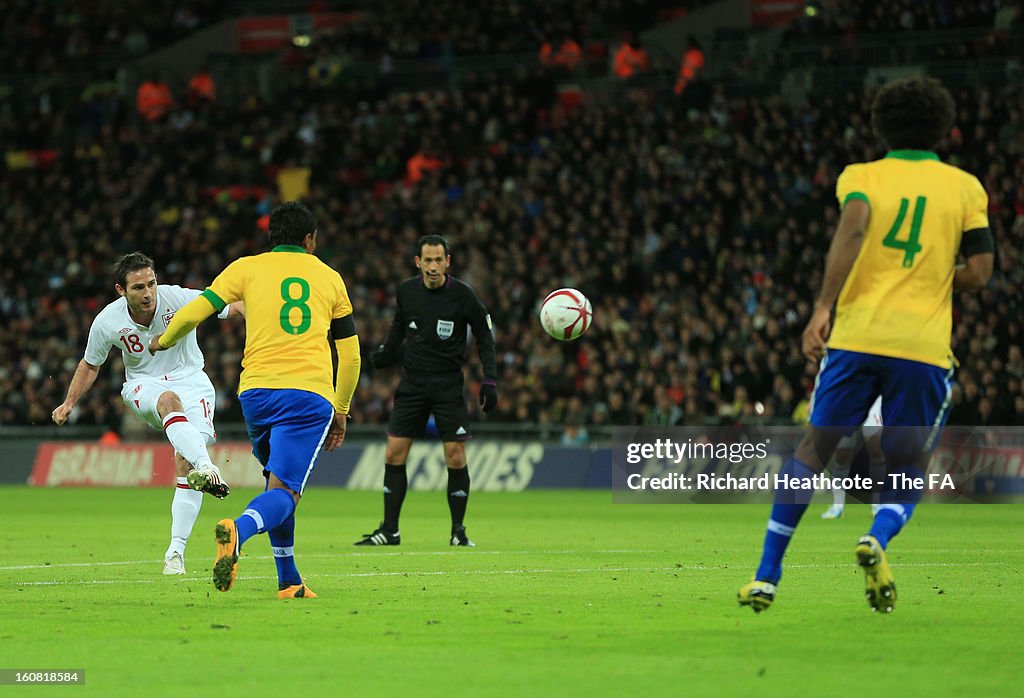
[114, 328]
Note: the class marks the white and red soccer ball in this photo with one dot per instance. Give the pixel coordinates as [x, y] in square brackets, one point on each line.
[566, 314]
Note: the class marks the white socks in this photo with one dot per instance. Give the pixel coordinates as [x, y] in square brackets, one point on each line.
[191, 444]
[187, 440]
[184, 511]
[839, 471]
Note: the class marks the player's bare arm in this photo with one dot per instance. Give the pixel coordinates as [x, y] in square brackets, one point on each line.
[978, 250]
[842, 253]
[85, 376]
[974, 273]
[977, 247]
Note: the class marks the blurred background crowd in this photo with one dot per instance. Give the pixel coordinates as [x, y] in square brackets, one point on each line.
[694, 213]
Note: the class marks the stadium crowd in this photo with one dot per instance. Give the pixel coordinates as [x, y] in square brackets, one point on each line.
[858, 17]
[439, 28]
[698, 234]
[40, 38]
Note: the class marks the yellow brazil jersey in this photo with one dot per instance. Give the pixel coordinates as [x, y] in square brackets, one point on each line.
[290, 299]
[897, 300]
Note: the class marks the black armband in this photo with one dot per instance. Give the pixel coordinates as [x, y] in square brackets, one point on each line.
[343, 327]
[977, 241]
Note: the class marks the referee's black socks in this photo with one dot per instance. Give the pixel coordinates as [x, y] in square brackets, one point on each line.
[395, 483]
[458, 493]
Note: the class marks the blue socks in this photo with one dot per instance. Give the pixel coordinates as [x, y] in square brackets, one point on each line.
[282, 543]
[888, 522]
[898, 504]
[266, 512]
[788, 508]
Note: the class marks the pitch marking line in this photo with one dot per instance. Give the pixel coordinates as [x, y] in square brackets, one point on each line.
[444, 573]
[127, 563]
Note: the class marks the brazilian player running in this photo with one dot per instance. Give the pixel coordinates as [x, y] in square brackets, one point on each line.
[433, 313]
[890, 271]
[295, 396]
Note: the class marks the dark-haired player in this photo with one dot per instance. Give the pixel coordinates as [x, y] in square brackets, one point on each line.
[297, 315]
[890, 271]
[170, 391]
[433, 314]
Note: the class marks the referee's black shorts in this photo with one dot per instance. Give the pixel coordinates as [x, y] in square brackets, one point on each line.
[415, 401]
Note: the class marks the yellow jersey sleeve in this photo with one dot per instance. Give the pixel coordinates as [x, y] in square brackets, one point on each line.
[342, 305]
[975, 205]
[229, 285]
[851, 185]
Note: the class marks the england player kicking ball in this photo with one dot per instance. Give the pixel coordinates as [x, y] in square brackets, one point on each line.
[168, 391]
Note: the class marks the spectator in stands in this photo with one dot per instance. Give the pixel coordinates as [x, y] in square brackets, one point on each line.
[665, 413]
[630, 59]
[568, 57]
[421, 163]
[687, 229]
[202, 89]
[691, 66]
[153, 99]
[327, 67]
[574, 434]
[136, 42]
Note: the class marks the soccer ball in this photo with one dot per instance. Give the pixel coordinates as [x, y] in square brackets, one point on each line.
[566, 314]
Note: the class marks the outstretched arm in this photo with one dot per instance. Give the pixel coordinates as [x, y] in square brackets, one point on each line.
[85, 376]
[185, 320]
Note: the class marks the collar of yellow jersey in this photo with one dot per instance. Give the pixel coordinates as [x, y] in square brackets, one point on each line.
[912, 155]
[289, 248]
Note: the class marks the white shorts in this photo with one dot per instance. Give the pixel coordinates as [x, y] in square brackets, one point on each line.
[195, 392]
[871, 427]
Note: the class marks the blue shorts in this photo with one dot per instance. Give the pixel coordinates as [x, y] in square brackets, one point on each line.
[914, 394]
[287, 428]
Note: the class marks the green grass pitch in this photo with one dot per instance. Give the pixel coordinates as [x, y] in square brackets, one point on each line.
[566, 594]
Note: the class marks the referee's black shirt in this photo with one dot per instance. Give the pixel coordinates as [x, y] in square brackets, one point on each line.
[434, 324]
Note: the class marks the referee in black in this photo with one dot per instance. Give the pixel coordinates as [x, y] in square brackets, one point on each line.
[433, 313]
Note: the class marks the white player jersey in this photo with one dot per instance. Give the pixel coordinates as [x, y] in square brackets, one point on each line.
[114, 328]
